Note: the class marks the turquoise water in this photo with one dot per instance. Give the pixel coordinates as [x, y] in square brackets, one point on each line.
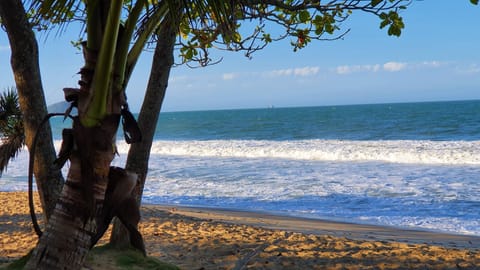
[408, 121]
[413, 165]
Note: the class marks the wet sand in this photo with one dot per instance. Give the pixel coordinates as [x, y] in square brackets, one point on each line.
[195, 238]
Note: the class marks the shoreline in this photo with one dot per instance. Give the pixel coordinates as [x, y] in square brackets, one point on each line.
[199, 238]
[315, 226]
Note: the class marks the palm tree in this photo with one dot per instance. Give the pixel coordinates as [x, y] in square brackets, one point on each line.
[11, 127]
[109, 59]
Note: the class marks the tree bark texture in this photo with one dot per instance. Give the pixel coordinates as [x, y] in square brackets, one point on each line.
[25, 66]
[67, 238]
[139, 153]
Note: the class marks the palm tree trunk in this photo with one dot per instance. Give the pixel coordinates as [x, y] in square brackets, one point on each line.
[68, 236]
[66, 240]
[139, 153]
[24, 62]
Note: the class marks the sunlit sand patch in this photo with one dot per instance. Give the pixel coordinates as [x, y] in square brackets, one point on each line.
[193, 242]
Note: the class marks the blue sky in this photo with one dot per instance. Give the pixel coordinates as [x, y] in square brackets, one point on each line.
[436, 58]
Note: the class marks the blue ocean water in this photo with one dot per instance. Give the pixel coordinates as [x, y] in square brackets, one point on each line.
[406, 121]
[413, 165]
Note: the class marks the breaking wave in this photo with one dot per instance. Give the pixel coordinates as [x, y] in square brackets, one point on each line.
[399, 151]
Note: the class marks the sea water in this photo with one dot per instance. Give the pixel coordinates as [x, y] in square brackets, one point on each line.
[410, 165]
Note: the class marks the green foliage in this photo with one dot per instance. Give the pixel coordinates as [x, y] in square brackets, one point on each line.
[475, 2]
[126, 259]
[77, 44]
[394, 21]
[45, 15]
[133, 259]
[9, 106]
[304, 16]
[300, 21]
[266, 38]
[11, 127]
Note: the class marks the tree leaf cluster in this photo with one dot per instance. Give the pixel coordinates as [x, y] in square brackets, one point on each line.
[393, 21]
[252, 25]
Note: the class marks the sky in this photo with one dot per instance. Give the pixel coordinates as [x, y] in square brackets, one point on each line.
[436, 58]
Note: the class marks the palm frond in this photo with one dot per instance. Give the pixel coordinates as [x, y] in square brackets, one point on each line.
[9, 149]
[221, 11]
[11, 127]
[55, 12]
[9, 108]
[9, 102]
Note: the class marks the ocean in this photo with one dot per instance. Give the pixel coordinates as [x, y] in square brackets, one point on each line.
[408, 165]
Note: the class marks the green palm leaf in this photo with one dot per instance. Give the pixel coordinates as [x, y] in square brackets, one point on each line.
[12, 134]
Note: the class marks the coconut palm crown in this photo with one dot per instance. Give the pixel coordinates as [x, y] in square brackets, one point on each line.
[12, 135]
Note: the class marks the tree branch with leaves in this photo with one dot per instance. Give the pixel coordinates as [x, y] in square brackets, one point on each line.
[303, 21]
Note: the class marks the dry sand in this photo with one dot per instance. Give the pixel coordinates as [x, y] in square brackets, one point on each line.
[219, 239]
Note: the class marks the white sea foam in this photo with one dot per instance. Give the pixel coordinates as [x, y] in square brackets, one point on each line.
[400, 151]
[417, 184]
[439, 197]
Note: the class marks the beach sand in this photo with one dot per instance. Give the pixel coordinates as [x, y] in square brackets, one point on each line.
[195, 238]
